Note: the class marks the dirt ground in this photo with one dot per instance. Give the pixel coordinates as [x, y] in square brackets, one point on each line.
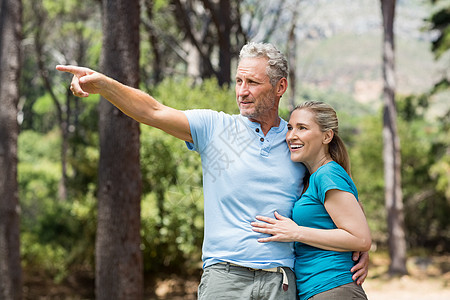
[428, 278]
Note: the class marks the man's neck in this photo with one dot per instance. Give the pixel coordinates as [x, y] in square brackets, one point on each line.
[266, 125]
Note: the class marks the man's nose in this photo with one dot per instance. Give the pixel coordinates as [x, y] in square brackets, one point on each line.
[243, 89]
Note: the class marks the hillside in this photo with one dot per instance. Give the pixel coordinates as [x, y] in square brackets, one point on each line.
[339, 49]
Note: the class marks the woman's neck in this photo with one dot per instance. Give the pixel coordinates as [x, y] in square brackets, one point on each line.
[314, 166]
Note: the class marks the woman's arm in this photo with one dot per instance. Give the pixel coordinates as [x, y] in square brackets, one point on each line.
[352, 233]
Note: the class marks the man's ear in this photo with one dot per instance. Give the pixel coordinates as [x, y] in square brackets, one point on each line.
[328, 136]
[281, 87]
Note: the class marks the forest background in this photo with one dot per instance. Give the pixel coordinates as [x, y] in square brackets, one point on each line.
[335, 55]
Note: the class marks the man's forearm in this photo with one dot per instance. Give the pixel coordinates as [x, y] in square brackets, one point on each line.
[132, 102]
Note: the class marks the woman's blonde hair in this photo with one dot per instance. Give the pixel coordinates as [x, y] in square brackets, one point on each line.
[325, 116]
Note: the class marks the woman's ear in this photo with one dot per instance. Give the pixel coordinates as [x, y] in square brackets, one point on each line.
[328, 136]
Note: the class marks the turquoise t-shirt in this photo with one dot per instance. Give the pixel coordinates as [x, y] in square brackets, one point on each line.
[245, 174]
[319, 270]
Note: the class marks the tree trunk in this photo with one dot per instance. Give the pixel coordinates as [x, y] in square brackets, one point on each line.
[157, 69]
[224, 28]
[391, 148]
[119, 267]
[210, 39]
[292, 58]
[10, 38]
[186, 14]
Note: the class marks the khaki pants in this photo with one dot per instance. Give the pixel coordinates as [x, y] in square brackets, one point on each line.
[347, 291]
[232, 282]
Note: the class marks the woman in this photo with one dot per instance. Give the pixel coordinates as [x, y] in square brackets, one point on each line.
[328, 222]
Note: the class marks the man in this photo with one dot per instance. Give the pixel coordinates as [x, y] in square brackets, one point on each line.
[247, 171]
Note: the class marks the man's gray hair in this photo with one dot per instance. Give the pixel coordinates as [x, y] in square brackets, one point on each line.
[277, 63]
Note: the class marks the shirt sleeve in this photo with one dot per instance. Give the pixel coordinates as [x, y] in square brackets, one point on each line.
[334, 179]
[202, 125]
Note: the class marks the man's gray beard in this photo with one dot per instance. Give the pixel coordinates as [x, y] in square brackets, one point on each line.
[261, 110]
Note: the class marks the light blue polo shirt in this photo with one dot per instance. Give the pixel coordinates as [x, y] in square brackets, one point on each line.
[245, 174]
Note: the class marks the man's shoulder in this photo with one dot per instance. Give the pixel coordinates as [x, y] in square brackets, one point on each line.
[210, 120]
[208, 113]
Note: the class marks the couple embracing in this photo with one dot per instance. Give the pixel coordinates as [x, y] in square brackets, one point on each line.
[282, 217]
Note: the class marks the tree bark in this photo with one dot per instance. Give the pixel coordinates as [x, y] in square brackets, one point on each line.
[196, 37]
[211, 38]
[221, 17]
[292, 58]
[119, 267]
[154, 41]
[10, 38]
[391, 148]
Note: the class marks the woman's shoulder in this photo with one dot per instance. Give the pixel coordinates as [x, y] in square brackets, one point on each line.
[329, 169]
[331, 174]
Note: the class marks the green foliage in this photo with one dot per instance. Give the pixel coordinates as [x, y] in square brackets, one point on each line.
[341, 102]
[43, 105]
[48, 259]
[440, 170]
[60, 239]
[31, 90]
[440, 24]
[38, 166]
[172, 227]
[413, 107]
[77, 41]
[184, 94]
[424, 146]
[172, 204]
[55, 235]
[160, 23]
[367, 172]
[440, 21]
[84, 152]
[57, 8]
[426, 205]
[60, 236]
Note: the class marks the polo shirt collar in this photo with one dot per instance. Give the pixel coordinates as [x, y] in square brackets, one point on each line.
[255, 125]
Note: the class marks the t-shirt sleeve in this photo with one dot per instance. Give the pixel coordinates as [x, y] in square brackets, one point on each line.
[334, 179]
[202, 125]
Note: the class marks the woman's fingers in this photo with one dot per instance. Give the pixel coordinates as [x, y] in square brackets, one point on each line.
[259, 225]
[278, 216]
[265, 240]
[266, 219]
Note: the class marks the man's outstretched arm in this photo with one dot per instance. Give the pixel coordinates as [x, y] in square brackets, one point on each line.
[138, 105]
